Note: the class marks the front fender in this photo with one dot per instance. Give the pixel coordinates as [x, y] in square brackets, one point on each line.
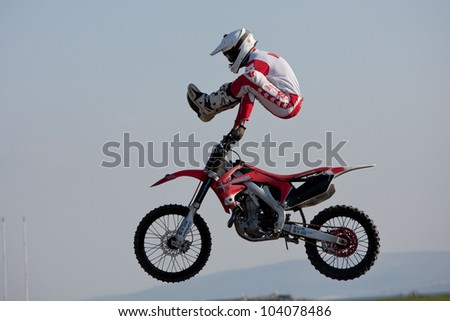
[196, 173]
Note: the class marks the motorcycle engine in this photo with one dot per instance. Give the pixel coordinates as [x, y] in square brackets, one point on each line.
[256, 219]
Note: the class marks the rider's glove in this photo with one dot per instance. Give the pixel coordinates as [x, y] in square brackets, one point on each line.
[238, 133]
[233, 136]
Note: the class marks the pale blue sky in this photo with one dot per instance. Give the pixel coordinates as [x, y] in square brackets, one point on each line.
[76, 74]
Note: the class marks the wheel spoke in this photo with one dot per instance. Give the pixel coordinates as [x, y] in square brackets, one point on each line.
[158, 250]
[362, 242]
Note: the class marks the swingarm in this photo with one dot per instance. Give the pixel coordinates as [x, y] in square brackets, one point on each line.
[301, 231]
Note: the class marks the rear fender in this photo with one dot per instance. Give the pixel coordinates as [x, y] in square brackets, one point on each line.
[317, 186]
[338, 171]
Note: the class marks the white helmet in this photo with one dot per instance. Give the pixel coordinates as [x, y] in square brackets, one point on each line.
[236, 46]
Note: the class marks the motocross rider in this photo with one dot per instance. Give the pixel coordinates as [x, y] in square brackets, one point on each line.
[267, 78]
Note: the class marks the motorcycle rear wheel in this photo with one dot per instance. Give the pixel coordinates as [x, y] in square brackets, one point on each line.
[153, 249]
[357, 256]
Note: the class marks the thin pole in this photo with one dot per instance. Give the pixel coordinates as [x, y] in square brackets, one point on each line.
[5, 279]
[25, 255]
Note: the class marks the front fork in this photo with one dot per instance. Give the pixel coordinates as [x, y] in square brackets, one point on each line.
[179, 240]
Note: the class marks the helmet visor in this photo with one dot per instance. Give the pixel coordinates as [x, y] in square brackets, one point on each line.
[231, 54]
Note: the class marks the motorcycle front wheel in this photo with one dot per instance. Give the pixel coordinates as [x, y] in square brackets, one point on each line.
[344, 262]
[156, 255]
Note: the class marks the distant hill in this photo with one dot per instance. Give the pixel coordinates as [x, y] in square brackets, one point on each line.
[393, 274]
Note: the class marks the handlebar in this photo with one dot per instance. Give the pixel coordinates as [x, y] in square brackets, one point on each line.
[217, 157]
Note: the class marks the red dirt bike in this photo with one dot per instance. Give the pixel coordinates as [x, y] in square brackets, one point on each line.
[172, 243]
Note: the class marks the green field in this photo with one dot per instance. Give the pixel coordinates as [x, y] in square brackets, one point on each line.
[419, 297]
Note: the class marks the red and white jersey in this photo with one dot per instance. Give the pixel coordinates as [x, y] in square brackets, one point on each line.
[270, 80]
[277, 71]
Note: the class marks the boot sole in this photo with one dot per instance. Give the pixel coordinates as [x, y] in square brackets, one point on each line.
[197, 110]
[193, 106]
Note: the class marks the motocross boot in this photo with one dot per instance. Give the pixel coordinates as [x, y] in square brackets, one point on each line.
[207, 106]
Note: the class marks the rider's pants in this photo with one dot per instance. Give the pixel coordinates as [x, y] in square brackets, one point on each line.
[274, 100]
